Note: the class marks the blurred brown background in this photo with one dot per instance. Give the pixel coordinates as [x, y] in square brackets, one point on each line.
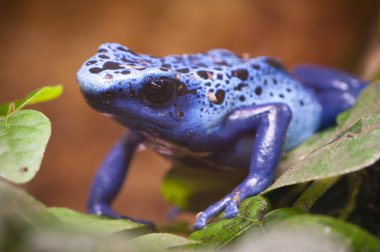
[45, 42]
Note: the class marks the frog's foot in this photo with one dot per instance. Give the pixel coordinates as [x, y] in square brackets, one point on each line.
[103, 209]
[250, 186]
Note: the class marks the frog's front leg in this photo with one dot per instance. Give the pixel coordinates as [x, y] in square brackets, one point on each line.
[110, 176]
[269, 123]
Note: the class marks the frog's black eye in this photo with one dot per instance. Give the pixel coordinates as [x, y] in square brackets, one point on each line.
[160, 90]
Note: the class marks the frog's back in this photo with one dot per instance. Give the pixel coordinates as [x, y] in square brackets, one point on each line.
[231, 82]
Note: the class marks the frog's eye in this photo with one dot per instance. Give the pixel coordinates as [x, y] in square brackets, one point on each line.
[159, 91]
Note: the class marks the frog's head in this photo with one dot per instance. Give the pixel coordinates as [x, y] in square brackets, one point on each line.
[140, 91]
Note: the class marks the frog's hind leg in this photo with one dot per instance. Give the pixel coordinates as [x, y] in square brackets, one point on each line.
[336, 90]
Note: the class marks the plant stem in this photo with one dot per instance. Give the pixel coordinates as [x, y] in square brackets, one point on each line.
[314, 192]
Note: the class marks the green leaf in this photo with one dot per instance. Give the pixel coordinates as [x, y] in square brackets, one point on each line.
[93, 223]
[15, 203]
[273, 217]
[355, 237]
[27, 225]
[19, 213]
[40, 95]
[356, 148]
[23, 138]
[353, 145]
[24, 135]
[222, 232]
[368, 104]
[162, 241]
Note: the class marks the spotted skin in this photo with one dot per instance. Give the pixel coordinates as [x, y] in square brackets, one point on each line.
[221, 81]
[212, 109]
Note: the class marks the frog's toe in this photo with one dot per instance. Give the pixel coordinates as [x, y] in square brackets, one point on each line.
[102, 209]
[211, 211]
[231, 210]
[200, 222]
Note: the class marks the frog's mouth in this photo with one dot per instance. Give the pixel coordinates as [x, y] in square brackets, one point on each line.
[130, 119]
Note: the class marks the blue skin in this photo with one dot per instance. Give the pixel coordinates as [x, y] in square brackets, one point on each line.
[210, 110]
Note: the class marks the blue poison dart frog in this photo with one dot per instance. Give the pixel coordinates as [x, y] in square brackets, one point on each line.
[209, 110]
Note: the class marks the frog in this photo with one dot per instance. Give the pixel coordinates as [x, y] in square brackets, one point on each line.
[211, 110]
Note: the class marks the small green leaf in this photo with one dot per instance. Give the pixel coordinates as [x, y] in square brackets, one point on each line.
[222, 232]
[40, 95]
[162, 241]
[23, 138]
[195, 188]
[355, 237]
[342, 117]
[92, 223]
